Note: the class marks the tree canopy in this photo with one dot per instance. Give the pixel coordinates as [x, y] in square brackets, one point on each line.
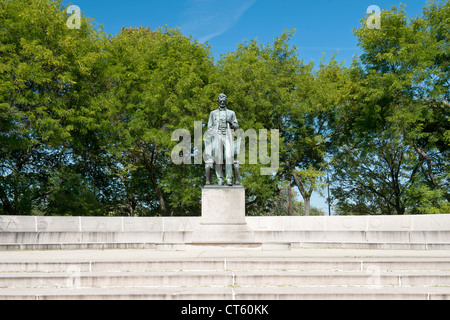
[86, 118]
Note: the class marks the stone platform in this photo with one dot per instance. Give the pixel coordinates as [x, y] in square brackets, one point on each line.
[298, 274]
[223, 217]
[373, 232]
[275, 266]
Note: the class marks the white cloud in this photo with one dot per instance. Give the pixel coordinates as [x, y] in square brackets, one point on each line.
[207, 19]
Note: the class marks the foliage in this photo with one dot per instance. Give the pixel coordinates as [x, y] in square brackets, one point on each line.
[393, 157]
[86, 118]
[47, 76]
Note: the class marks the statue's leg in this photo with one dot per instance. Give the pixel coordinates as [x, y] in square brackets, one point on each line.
[208, 174]
[219, 160]
[219, 174]
[229, 160]
[229, 174]
[236, 172]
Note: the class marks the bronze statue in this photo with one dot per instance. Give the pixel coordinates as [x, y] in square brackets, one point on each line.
[220, 145]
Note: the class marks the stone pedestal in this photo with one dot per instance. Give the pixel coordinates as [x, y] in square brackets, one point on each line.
[223, 216]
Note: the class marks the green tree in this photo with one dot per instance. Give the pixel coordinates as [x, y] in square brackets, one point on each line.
[86, 119]
[394, 144]
[315, 122]
[249, 77]
[270, 87]
[156, 82]
[47, 75]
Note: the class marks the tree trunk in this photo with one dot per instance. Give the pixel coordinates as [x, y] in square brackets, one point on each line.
[290, 200]
[150, 163]
[306, 195]
[307, 205]
[428, 160]
[162, 203]
[399, 208]
[159, 195]
[8, 208]
[131, 205]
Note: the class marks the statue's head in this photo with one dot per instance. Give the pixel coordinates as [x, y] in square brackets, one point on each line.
[222, 99]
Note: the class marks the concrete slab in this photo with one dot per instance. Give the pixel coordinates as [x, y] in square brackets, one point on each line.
[118, 294]
[140, 255]
[230, 273]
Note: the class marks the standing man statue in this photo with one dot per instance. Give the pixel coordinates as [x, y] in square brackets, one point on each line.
[220, 147]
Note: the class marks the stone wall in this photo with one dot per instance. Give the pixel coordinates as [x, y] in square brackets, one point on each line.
[409, 231]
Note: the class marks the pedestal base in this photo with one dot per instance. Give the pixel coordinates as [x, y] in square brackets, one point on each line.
[223, 216]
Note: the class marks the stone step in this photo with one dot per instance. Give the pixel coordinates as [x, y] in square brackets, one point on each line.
[225, 274]
[343, 293]
[373, 279]
[77, 279]
[230, 293]
[372, 245]
[232, 264]
[167, 246]
[186, 236]
[75, 246]
[220, 293]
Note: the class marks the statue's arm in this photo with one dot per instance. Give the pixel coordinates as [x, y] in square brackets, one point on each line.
[211, 121]
[234, 123]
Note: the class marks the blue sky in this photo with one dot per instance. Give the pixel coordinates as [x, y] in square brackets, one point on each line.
[322, 26]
